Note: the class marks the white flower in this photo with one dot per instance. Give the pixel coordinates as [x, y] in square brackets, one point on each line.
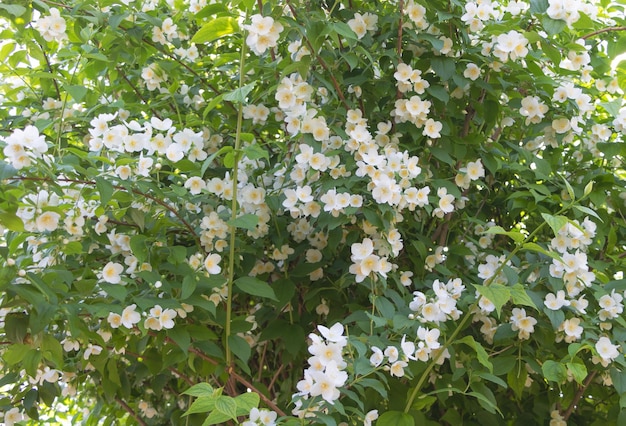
[47, 221]
[130, 317]
[333, 334]
[195, 185]
[12, 416]
[377, 357]
[397, 368]
[370, 417]
[92, 350]
[555, 303]
[607, 350]
[212, 263]
[432, 128]
[111, 273]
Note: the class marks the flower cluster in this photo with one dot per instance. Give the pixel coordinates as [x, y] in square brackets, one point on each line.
[325, 374]
[441, 306]
[263, 33]
[22, 146]
[52, 27]
[522, 323]
[362, 23]
[261, 417]
[366, 262]
[157, 318]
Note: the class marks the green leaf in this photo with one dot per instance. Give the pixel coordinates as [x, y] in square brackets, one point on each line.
[481, 353]
[240, 348]
[211, 9]
[229, 159]
[73, 247]
[485, 402]
[139, 247]
[52, 350]
[239, 95]
[424, 402]
[578, 370]
[588, 211]
[15, 353]
[211, 105]
[216, 417]
[209, 160]
[516, 235]
[538, 6]
[11, 221]
[16, 326]
[246, 402]
[227, 405]
[439, 93]
[553, 26]
[181, 337]
[188, 287]
[116, 291]
[556, 317]
[442, 154]
[254, 152]
[203, 404]
[536, 247]
[76, 92]
[619, 380]
[218, 27]
[443, 67]
[554, 371]
[344, 30]
[555, 222]
[498, 294]
[200, 389]
[516, 378]
[247, 221]
[7, 170]
[255, 287]
[570, 190]
[112, 372]
[395, 418]
[106, 190]
[14, 9]
[520, 297]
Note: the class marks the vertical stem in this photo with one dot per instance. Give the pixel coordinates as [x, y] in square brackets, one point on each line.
[232, 229]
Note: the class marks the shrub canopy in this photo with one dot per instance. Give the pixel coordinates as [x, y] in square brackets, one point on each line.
[300, 212]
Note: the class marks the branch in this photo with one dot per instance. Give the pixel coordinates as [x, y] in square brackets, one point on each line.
[131, 412]
[121, 188]
[579, 394]
[54, 80]
[603, 30]
[321, 62]
[137, 92]
[241, 380]
[399, 44]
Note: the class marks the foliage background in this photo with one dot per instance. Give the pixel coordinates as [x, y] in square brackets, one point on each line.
[164, 162]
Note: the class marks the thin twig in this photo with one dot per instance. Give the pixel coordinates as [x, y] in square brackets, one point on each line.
[280, 369]
[121, 188]
[399, 44]
[138, 93]
[54, 81]
[182, 376]
[321, 61]
[579, 394]
[241, 380]
[261, 362]
[131, 412]
[603, 30]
